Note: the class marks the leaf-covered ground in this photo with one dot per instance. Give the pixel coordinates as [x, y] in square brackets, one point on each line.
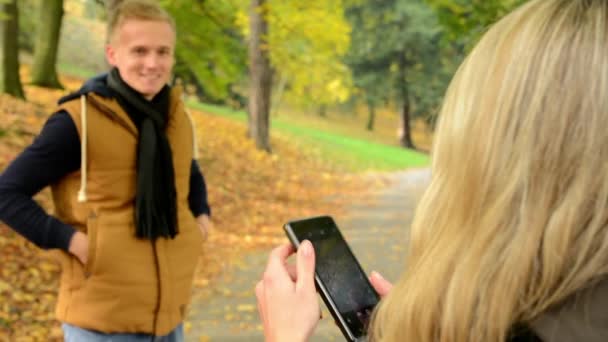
[251, 193]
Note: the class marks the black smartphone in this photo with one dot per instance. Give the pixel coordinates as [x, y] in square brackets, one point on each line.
[339, 278]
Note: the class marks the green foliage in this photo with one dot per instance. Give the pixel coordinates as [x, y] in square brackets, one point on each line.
[28, 21]
[210, 51]
[465, 21]
[462, 23]
[3, 15]
[427, 37]
[395, 46]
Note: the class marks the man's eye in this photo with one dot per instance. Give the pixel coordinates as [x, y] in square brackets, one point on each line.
[139, 51]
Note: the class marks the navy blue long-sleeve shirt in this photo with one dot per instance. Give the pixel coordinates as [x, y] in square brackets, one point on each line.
[54, 154]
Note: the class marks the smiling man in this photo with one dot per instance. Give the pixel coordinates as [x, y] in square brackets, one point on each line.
[131, 208]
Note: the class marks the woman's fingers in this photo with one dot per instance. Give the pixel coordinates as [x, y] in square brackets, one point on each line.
[259, 294]
[276, 269]
[286, 295]
[381, 285]
[292, 271]
[281, 253]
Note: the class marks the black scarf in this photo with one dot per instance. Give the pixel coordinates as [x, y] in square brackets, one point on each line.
[155, 201]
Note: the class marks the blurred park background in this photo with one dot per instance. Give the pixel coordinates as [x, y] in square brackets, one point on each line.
[296, 103]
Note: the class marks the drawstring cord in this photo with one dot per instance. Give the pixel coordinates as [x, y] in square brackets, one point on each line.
[194, 140]
[82, 193]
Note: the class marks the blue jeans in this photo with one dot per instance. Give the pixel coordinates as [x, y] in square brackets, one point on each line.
[75, 334]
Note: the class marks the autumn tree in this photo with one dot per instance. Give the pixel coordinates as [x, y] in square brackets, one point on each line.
[44, 69]
[307, 43]
[10, 82]
[304, 42]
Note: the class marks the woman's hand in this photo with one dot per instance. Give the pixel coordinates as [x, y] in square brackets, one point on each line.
[381, 285]
[287, 299]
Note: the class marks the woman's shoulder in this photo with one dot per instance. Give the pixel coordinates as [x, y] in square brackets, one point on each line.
[581, 317]
[522, 333]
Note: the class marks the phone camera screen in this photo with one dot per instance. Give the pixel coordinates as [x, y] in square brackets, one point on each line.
[341, 275]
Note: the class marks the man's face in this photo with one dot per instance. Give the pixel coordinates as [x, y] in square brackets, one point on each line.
[142, 50]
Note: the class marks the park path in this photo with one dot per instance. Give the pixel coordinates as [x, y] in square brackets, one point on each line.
[376, 229]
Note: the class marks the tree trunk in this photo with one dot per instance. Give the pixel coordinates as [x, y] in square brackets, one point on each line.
[405, 136]
[10, 82]
[44, 69]
[372, 116]
[260, 77]
[322, 110]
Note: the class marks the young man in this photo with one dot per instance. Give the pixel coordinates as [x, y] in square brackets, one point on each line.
[131, 208]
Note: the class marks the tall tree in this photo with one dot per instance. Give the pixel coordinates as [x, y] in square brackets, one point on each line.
[306, 43]
[44, 70]
[303, 44]
[10, 81]
[260, 82]
[393, 42]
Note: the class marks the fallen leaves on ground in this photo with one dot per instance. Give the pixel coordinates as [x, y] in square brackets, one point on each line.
[251, 193]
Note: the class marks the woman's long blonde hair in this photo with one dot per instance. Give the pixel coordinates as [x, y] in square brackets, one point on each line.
[516, 216]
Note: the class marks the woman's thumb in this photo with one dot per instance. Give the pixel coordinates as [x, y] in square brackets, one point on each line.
[305, 266]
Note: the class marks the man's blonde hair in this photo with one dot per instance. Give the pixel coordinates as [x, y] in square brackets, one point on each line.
[120, 11]
[515, 219]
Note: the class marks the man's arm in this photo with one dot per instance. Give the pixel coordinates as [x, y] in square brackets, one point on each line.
[52, 155]
[197, 199]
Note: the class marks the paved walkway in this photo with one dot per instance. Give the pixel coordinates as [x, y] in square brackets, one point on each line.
[375, 227]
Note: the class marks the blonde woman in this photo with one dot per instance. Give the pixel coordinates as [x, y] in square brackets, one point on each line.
[510, 241]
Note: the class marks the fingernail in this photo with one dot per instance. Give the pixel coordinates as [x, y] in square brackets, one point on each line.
[377, 275]
[306, 248]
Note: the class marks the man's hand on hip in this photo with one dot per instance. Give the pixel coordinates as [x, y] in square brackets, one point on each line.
[79, 247]
[205, 225]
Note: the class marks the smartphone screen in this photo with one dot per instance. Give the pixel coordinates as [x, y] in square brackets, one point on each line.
[338, 274]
